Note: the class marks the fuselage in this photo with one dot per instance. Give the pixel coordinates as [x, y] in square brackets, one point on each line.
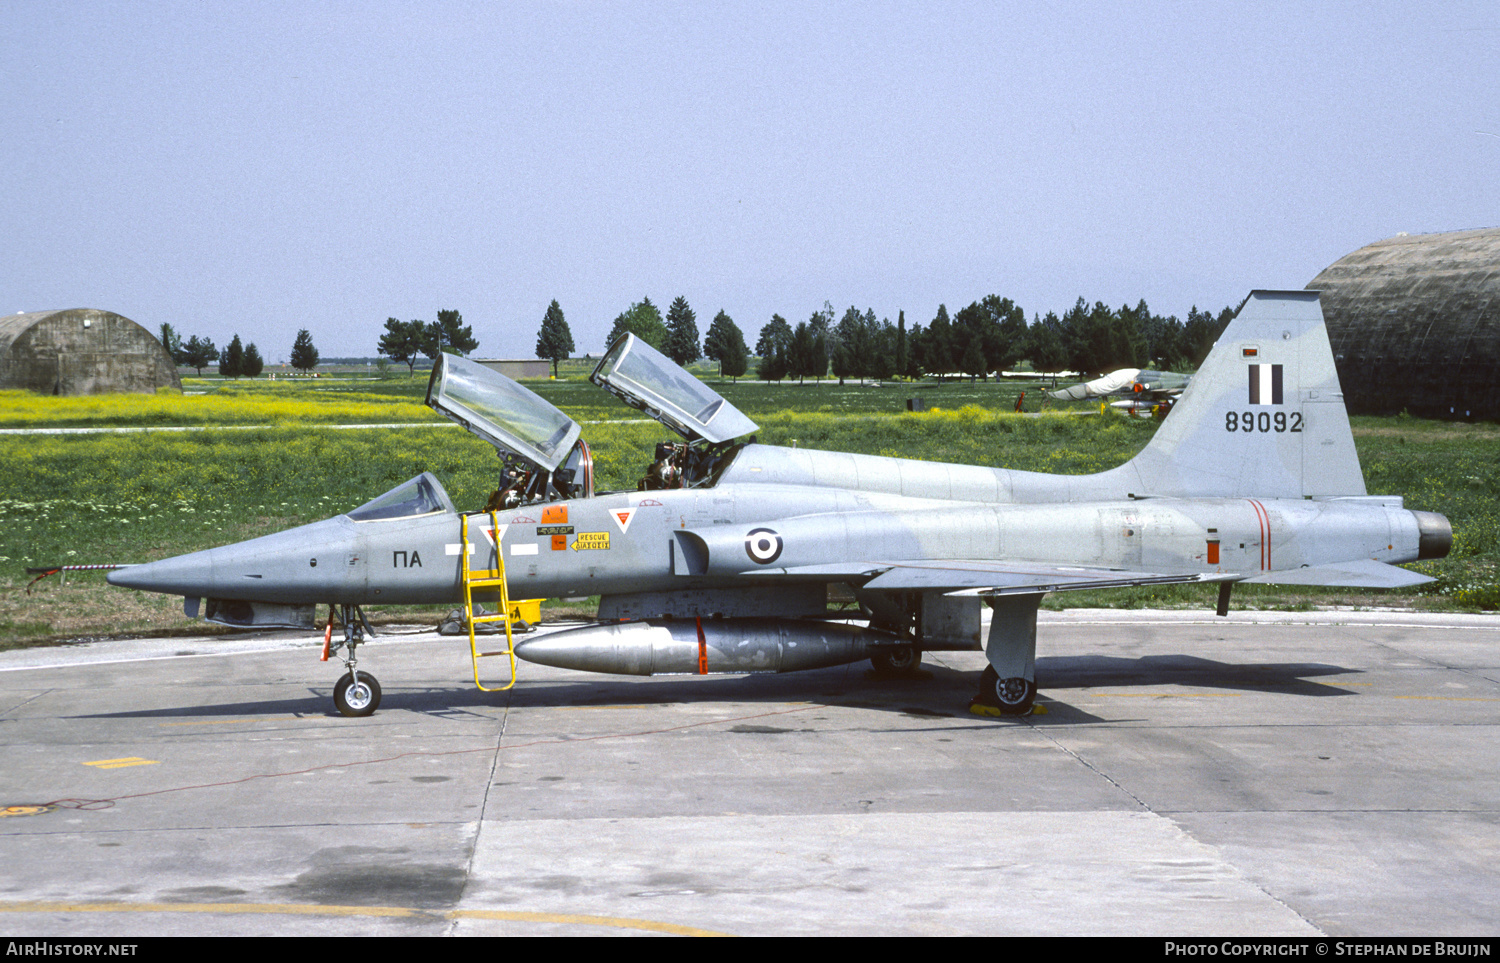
[775, 510]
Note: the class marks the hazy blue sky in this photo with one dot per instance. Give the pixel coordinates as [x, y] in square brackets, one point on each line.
[263, 167]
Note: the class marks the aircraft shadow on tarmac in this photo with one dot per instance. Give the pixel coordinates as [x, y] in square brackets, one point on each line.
[937, 691]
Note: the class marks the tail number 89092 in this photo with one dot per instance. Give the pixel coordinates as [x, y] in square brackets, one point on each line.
[1249, 421]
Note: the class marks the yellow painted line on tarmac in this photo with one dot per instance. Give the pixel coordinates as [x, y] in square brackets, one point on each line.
[305, 909]
[122, 763]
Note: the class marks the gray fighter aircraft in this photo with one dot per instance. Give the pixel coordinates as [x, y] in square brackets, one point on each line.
[1145, 393]
[722, 559]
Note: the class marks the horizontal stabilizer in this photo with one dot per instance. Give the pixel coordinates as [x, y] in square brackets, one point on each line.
[1365, 573]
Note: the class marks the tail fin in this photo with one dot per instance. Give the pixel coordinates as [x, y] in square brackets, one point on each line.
[1264, 416]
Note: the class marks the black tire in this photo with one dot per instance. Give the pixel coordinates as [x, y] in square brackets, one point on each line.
[897, 661]
[1013, 697]
[357, 700]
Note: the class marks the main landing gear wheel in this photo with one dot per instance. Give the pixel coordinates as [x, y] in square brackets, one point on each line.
[1006, 697]
[898, 661]
[357, 698]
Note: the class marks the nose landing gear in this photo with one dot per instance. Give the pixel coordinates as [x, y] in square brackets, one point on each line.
[357, 693]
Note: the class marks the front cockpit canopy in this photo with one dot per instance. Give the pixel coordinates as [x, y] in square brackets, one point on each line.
[512, 418]
[646, 379]
[423, 495]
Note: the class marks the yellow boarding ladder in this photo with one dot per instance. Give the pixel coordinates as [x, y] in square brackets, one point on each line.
[486, 579]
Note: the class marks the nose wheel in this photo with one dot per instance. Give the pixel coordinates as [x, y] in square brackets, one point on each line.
[357, 693]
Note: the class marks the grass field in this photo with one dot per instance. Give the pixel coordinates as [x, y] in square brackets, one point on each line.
[71, 498]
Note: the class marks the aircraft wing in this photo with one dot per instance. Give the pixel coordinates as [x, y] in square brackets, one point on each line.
[981, 578]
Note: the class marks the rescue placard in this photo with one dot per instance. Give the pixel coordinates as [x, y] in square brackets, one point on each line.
[591, 540]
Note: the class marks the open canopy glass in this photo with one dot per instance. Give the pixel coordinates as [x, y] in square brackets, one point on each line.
[500, 411]
[645, 378]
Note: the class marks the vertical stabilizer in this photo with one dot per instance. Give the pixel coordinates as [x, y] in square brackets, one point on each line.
[1264, 416]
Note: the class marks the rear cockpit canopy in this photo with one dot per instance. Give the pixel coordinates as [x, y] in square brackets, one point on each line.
[512, 418]
[423, 495]
[648, 380]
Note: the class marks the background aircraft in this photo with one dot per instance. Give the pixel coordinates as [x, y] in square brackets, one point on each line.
[1143, 392]
[722, 559]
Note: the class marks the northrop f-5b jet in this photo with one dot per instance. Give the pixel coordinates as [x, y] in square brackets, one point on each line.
[722, 558]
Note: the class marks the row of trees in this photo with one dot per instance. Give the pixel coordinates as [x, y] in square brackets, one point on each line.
[990, 334]
[676, 336]
[235, 361]
[1098, 338]
[404, 341]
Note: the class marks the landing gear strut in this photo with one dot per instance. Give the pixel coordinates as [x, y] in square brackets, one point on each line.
[357, 693]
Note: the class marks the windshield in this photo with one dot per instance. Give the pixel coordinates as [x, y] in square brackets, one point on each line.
[500, 411]
[422, 495]
[649, 380]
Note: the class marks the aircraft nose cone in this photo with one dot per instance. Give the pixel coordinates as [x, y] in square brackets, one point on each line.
[273, 568]
[183, 575]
